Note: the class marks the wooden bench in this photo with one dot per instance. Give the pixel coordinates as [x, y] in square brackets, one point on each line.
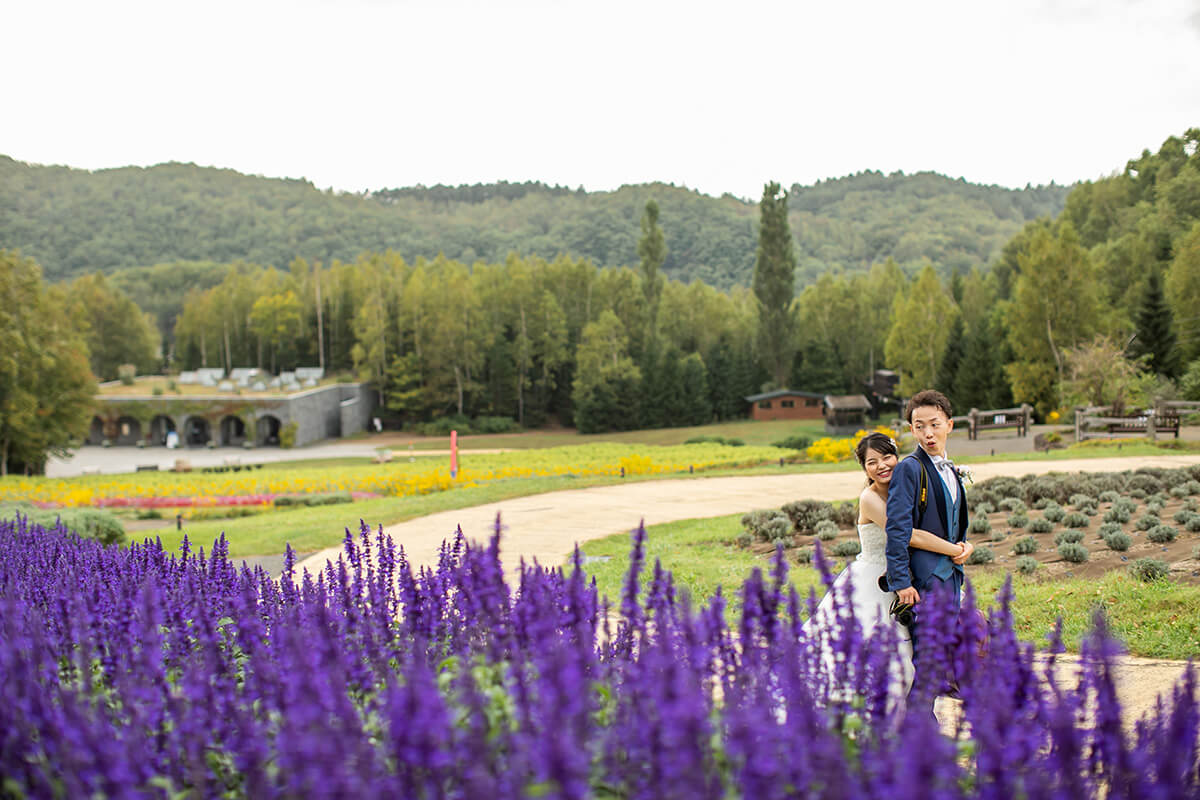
[1164, 422]
[1000, 418]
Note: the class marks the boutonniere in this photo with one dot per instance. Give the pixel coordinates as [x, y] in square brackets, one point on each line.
[964, 474]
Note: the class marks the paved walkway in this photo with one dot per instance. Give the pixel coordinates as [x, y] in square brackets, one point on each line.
[547, 526]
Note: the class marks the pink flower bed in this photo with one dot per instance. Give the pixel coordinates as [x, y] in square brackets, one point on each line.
[188, 502]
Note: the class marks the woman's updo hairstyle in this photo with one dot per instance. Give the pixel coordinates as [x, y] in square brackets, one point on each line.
[879, 442]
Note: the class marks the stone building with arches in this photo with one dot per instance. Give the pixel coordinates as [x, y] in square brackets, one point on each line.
[233, 420]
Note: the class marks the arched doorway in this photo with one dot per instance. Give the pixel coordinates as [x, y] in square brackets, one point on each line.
[196, 432]
[96, 432]
[267, 431]
[160, 426]
[233, 431]
[129, 432]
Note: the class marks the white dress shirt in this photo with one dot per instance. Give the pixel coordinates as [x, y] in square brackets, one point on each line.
[947, 475]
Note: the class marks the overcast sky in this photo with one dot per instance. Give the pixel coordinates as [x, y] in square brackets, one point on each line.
[720, 97]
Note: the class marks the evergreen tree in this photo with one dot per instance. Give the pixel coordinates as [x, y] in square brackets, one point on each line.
[946, 381]
[695, 407]
[980, 381]
[1155, 334]
[730, 379]
[817, 369]
[774, 285]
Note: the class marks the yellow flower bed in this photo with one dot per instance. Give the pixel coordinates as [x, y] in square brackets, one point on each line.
[829, 450]
[423, 476]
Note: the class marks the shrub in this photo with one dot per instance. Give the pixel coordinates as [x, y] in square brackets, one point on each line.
[494, 425]
[1054, 513]
[1193, 524]
[827, 530]
[1137, 494]
[1155, 506]
[1118, 514]
[1012, 504]
[997, 535]
[1147, 521]
[766, 525]
[1126, 503]
[1043, 502]
[1162, 534]
[794, 443]
[805, 514]
[1110, 496]
[1025, 546]
[1183, 515]
[126, 373]
[1018, 521]
[1141, 482]
[1082, 501]
[1192, 504]
[1027, 565]
[983, 508]
[287, 435]
[1179, 491]
[845, 514]
[845, 549]
[1196, 552]
[148, 513]
[1149, 569]
[157, 391]
[1073, 552]
[1076, 520]
[1041, 525]
[1068, 537]
[1192, 487]
[979, 525]
[744, 540]
[981, 555]
[1109, 528]
[1119, 541]
[172, 386]
[1045, 487]
[804, 555]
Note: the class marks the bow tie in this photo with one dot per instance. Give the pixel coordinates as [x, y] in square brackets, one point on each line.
[945, 463]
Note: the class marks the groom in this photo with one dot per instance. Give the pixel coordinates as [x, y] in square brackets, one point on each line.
[918, 575]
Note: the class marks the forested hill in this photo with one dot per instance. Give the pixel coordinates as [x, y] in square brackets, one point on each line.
[76, 221]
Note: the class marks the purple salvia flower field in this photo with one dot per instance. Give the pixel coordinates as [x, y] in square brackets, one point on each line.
[140, 673]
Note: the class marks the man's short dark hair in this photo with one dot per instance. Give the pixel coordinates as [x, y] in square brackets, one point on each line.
[928, 397]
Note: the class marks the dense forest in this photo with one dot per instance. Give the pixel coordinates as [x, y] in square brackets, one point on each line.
[74, 222]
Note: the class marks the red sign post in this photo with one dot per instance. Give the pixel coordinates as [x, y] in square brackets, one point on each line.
[453, 454]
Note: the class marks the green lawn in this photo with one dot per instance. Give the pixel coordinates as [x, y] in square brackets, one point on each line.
[1156, 620]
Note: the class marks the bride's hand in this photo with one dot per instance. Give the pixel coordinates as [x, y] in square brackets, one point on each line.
[962, 557]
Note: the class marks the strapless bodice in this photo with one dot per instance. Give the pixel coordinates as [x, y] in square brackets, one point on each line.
[874, 544]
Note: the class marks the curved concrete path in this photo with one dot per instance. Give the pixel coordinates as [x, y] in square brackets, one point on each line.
[547, 526]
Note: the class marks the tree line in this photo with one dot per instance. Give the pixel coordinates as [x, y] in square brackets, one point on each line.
[78, 222]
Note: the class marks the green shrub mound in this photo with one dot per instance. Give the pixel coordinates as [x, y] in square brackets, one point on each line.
[324, 499]
[1076, 520]
[1110, 496]
[1027, 565]
[1018, 521]
[981, 555]
[1013, 504]
[1054, 513]
[1043, 502]
[1040, 525]
[767, 524]
[86, 523]
[806, 514]
[1193, 524]
[1083, 501]
[1025, 546]
[982, 508]
[827, 530]
[1068, 536]
[804, 555]
[846, 514]
[1155, 506]
[1192, 487]
[1116, 514]
[845, 549]
[1182, 516]
[1149, 569]
[1137, 494]
[1119, 541]
[1073, 552]
[790, 443]
[979, 525]
[1147, 521]
[997, 535]
[1109, 528]
[744, 540]
[1162, 534]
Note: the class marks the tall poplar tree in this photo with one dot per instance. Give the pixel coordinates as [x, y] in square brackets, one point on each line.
[775, 285]
[652, 249]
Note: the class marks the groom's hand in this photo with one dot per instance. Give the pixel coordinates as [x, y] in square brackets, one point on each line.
[962, 557]
[909, 595]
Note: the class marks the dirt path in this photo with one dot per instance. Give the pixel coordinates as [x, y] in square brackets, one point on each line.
[547, 526]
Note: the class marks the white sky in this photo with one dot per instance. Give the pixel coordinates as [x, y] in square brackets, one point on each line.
[721, 97]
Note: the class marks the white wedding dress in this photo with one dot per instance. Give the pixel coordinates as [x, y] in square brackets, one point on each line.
[870, 608]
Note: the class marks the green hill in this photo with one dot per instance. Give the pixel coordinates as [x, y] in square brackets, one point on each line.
[75, 221]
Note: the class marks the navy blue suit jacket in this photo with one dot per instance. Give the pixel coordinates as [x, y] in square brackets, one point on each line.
[908, 566]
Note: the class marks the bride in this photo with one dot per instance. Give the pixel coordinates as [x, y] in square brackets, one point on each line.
[858, 584]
